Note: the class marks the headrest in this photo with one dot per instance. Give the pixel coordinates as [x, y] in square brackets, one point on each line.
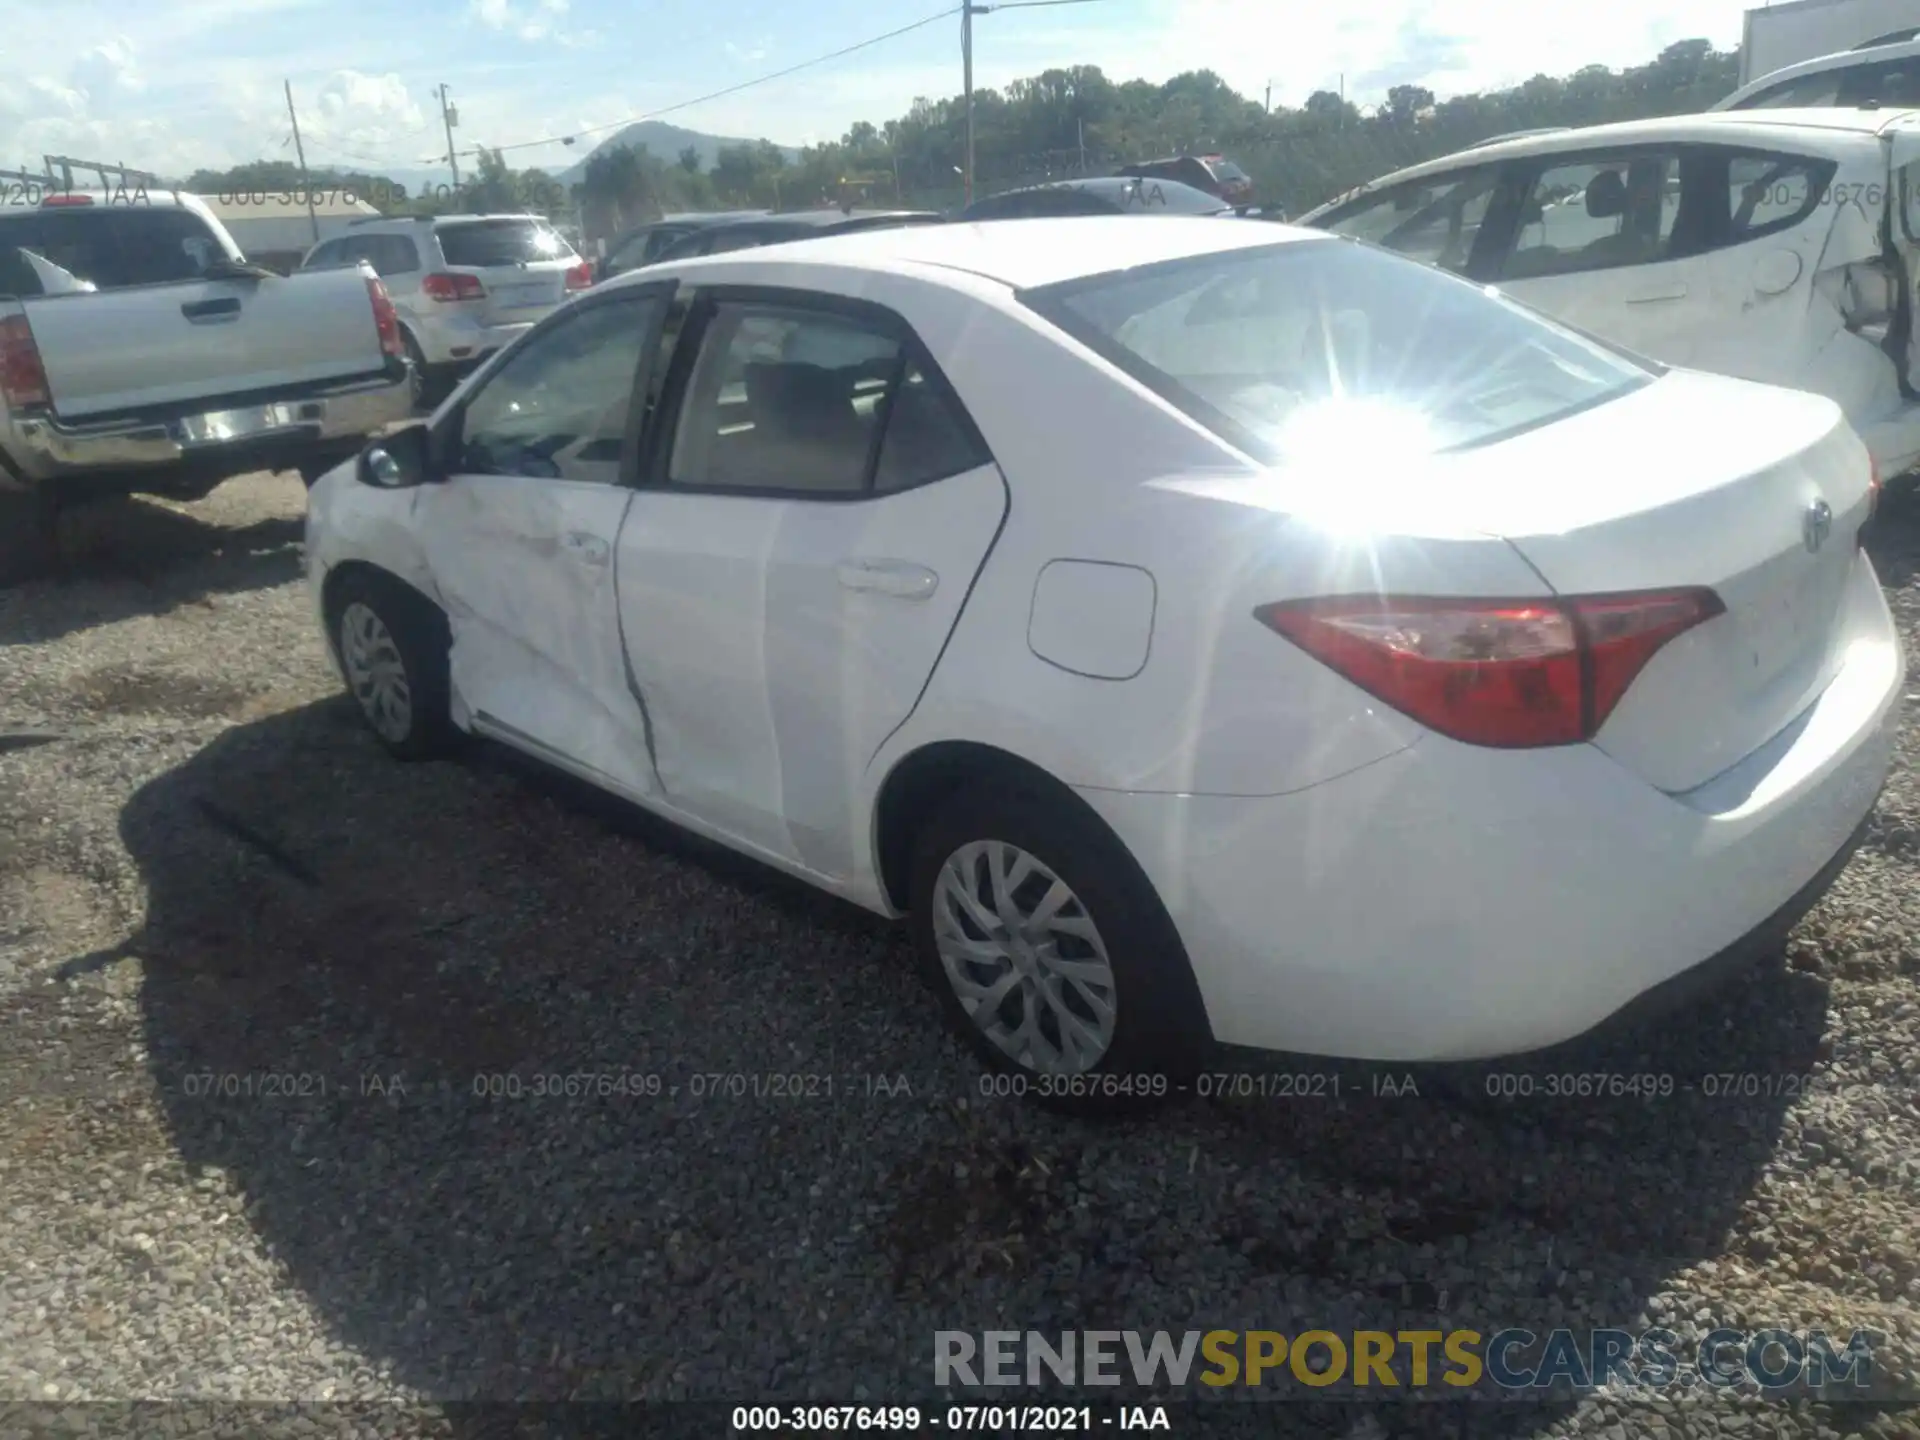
[797, 399]
[1606, 195]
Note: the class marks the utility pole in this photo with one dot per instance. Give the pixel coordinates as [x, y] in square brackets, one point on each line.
[299, 150]
[1269, 97]
[447, 118]
[1080, 129]
[967, 11]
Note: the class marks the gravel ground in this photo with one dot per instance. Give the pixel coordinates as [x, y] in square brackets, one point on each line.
[208, 870]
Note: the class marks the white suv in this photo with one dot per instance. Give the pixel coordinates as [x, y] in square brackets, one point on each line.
[1877, 73]
[1746, 242]
[464, 285]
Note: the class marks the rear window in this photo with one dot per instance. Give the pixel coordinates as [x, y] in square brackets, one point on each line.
[1328, 348]
[481, 243]
[115, 246]
[1227, 170]
[1168, 197]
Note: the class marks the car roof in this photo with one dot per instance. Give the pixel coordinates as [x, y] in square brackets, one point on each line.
[1754, 127]
[1017, 253]
[1114, 187]
[15, 198]
[1820, 64]
[817, 218]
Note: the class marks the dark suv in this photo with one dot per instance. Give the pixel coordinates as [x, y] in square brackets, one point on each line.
[1214, 174]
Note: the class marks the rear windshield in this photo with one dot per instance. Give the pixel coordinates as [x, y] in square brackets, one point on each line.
[502, 242]
[1318, 348]
[1226, 170]
[1166, 197]
[107, 246]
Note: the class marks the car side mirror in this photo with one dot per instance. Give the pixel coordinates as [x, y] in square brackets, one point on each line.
[399, 460]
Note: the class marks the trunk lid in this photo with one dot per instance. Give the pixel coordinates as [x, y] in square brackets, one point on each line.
[1754, 492]
[521, 263]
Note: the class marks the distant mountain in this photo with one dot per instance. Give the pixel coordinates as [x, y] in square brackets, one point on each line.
[665, 141]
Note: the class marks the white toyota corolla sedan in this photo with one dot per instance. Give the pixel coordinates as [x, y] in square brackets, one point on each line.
[1199, 632]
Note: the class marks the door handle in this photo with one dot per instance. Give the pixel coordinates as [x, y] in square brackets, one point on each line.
[901, 578]
[199, 310]
[588, 549]
[1670, 292]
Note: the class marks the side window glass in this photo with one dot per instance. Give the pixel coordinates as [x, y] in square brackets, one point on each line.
[1436, 220]
[653, 245]
[557, 409]
[783, 399]
[325, 255]
[1597, 214]
[1770, 193]
[1891, 84]
[927, 436]
[1820, 91]
[1909, 180]
[396, 255]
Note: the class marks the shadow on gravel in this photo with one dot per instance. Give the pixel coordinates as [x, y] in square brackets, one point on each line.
[386, 959]
[141, 558]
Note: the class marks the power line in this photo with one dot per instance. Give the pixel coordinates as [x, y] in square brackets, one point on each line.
[743, 85]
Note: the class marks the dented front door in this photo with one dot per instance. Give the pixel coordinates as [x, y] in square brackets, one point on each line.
[520, 540]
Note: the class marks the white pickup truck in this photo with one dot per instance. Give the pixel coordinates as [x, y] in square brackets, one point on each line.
[140, 353]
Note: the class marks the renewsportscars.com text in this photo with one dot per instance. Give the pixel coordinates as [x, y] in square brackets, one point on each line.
[1776, 1360]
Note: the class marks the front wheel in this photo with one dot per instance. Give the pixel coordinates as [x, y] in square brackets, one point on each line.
[392, 645]
[1053, 957]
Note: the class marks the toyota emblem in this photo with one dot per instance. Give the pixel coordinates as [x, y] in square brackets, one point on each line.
[1816, 524]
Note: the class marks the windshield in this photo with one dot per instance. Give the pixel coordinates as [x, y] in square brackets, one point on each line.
[106, 247]
[481, 243]
[1318, 347]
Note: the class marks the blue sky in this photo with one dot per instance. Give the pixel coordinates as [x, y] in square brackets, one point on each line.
[175, 84]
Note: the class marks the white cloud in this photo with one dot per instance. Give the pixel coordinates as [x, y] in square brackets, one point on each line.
[759, 50]
[107, 73]
[495, 14]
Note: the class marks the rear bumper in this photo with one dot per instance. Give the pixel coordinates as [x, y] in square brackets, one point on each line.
[269, 434]
[1452, 903]
[462, 340]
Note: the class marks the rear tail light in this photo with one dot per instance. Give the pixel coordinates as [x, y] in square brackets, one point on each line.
[1873, 502]
[1867, 294]
[445, 288]
[1505, 673]
[580, 277]
[23, 379]
[65, 199]
[385, 319]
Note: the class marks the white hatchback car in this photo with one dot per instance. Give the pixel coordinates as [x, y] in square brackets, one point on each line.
[1200, 632]
[1746, 243]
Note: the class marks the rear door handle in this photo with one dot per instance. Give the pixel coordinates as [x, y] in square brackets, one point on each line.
[1669, 292]
[199, 310]
[901, 578]
[587, 548]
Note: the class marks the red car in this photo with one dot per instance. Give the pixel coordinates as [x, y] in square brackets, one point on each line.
[1214, 174]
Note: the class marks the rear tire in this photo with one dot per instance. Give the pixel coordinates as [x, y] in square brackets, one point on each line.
[1083, 998]
[29, 535]
[392, 646]
[420, 381]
